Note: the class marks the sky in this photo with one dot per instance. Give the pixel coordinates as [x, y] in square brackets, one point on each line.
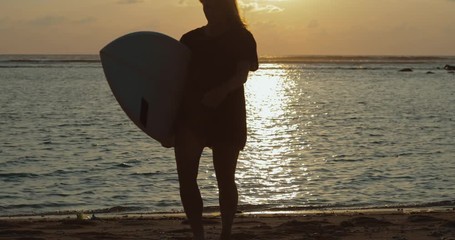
[280, 27]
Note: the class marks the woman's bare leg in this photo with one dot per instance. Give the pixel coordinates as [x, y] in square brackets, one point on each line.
[225, 162]
[188, 150]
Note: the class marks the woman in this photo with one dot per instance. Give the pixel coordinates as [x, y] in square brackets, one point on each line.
[213, 111]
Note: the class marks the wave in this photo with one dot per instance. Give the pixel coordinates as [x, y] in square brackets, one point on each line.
[279, 208]
[49, 61]
[92, 58]
[48, 66]
[266, 66]
[355, 59]
[52, 61]
[28, 210]
[34, 209]
[50, 58]
[300, 66]
[15, 176]
[370, 63]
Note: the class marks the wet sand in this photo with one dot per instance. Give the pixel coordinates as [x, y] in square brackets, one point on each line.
[395, 224]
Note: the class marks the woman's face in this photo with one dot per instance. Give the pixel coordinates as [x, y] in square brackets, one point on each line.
[214, 11]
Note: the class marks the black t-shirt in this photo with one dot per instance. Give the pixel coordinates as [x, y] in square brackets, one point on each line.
[214, 61]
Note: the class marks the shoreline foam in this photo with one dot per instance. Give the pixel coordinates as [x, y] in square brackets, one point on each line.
[402, 224]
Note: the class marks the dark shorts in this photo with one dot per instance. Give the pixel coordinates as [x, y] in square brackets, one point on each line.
[225, 125]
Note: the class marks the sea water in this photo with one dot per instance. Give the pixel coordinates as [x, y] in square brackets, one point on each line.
[323, 132]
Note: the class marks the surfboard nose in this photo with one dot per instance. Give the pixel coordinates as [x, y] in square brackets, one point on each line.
[146, 73]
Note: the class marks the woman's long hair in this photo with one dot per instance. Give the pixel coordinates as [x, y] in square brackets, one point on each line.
[233, 11]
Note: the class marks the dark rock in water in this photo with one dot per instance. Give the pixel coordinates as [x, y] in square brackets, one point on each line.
[406, 70]
[448, 67]
[430, 72]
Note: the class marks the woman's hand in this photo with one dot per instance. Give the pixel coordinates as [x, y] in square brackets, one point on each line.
[213, 98]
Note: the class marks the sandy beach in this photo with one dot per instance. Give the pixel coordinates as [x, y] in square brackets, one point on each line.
[397, 224]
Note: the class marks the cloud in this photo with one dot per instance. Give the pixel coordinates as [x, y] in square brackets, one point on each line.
[54, 20]
[129, 1]
[48, 20]
[186, 3]
[86, 20]
[182, 2]
[251, 6]
[257, 7]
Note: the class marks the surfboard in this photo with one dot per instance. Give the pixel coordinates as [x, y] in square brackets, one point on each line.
[146, 72]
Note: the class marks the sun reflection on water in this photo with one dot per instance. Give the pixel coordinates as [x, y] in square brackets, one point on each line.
[270, 169]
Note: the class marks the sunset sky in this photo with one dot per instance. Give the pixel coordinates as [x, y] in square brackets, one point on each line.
[281, 27]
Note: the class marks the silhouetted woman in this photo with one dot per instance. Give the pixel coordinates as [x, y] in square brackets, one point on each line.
[213, 111]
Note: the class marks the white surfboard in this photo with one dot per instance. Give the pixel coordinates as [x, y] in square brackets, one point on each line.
[146, 72]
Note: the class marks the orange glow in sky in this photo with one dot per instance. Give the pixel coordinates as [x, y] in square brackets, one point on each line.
[281, 27]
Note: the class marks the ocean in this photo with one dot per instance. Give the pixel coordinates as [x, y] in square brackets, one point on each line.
[324, 132]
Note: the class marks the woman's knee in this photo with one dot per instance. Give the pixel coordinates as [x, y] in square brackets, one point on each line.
[225, 157]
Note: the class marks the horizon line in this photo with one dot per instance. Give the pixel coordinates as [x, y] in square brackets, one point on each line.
[265, 56]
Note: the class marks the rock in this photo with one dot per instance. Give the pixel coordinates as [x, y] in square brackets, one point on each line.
[406, 70]
[448, 67]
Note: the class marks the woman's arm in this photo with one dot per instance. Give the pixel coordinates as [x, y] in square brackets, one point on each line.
[214, 97]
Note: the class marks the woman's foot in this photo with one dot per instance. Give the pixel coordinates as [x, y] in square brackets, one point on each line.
[199, 237]
[225, 235]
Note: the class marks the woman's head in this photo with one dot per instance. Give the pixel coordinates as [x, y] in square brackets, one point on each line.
[217, 11]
